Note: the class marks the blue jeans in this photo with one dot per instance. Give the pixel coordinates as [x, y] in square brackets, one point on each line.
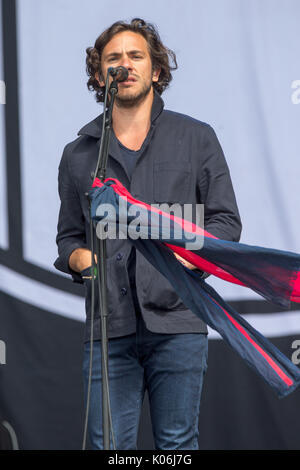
[170, 366]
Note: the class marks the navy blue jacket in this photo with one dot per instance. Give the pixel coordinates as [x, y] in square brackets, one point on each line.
[182, 163]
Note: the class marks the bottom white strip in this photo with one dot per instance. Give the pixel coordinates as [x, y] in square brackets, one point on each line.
[72, 306]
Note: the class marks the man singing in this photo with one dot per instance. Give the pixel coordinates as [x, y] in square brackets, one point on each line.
[155, 342]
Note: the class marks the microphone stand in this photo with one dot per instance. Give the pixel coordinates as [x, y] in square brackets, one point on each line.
[100, 173]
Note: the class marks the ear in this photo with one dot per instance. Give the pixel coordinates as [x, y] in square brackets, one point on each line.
[156, 74]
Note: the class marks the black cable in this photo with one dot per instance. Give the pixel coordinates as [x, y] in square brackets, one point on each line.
[105, 372]
[91, 337]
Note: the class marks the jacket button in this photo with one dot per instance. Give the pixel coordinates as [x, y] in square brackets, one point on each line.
[119, 256]
[123, 291]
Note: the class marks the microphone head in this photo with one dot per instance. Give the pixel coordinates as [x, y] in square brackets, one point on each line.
[120, 74]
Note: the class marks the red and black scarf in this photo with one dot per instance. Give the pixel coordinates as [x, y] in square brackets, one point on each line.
[274, 274]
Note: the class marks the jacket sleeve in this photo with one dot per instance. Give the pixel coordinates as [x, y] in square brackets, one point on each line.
[71, 226]
[221, 214]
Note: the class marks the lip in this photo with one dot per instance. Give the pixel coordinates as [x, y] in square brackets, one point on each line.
[129, 81]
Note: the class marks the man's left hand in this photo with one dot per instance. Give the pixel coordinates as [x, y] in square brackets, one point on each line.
[185, 262]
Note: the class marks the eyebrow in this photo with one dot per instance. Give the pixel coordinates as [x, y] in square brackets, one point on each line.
[118, 54]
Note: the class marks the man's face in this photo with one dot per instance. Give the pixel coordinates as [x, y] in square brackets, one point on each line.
[130, 50]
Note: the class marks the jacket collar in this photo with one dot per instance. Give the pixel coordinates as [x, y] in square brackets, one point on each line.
[94, 128]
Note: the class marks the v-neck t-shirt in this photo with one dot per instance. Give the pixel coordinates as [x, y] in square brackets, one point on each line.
[131, 156]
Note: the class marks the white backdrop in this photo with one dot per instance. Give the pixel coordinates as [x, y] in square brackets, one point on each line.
[243, 57]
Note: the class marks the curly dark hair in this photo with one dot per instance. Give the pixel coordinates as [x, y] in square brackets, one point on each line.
[161, 56]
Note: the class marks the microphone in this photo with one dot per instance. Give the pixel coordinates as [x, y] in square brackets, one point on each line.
[119, 74]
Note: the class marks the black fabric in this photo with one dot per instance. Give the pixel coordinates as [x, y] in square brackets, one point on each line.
[41, 392]
[5, 438]
[181, 162]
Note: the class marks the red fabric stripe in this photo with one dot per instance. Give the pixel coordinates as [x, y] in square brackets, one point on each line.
[97, 183]
[295, 296]
[270, 361]
[203, 264]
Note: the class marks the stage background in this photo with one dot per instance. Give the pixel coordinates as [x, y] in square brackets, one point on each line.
[243, 58]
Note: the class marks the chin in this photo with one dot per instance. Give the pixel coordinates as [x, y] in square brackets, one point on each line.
[128, 94]
[130, 98]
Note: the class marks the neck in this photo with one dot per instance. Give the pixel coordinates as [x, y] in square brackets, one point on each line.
[133, 120]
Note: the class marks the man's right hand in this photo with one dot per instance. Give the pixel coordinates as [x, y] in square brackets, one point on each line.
[80, 259]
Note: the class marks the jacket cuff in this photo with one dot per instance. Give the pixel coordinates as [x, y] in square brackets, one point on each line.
[232, 236]
[62, 262]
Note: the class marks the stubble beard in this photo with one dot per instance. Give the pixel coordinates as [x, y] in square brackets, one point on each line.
[130, 99]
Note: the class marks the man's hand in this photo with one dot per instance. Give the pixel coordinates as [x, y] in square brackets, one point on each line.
[80, 259]
[185, 262]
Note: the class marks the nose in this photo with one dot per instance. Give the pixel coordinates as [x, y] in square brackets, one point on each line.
[126, 62]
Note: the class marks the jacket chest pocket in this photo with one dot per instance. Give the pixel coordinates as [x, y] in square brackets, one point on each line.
[172, 182]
